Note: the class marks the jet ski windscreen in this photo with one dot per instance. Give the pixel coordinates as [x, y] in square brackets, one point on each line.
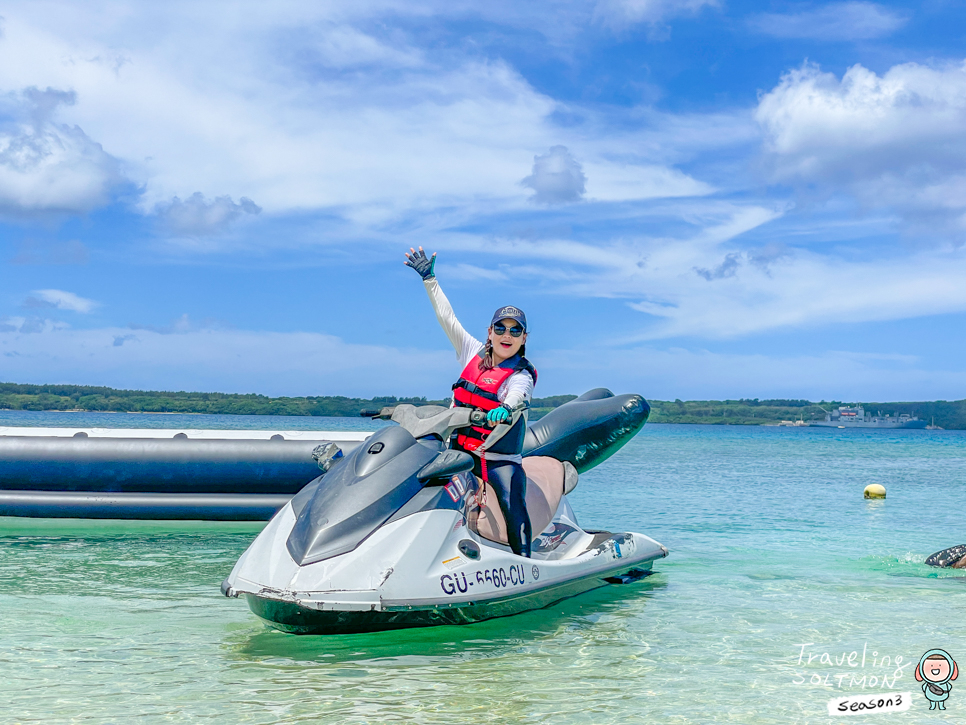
[358, 495]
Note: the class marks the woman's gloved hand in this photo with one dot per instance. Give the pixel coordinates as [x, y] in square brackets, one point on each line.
[498, 415]
[421, 263]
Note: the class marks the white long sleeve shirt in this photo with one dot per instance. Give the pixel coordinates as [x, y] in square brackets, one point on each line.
[515, 390]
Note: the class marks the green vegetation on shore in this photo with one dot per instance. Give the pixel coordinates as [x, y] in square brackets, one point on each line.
[91, 398]
[949, 415]
[99, 399]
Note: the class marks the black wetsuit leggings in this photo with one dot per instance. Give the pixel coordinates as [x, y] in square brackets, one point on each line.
[509, 482]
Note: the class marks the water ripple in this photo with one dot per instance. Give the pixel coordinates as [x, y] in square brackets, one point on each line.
[772, 548]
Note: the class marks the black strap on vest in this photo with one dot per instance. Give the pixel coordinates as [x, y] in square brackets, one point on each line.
[474, 389]
[524, 364]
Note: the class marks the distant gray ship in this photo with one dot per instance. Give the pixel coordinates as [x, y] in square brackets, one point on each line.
[854, 416]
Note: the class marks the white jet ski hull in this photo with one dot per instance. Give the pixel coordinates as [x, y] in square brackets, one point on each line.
[398, 532]
[402, 577]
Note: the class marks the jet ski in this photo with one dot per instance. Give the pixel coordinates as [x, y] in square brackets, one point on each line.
[399, 533]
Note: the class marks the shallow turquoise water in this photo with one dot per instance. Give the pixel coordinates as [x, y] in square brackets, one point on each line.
[772, 547]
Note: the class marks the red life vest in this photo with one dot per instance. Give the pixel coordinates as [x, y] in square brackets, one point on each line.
[478, 388]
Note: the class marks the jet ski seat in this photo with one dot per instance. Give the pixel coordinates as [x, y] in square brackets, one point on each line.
[546, 479]
[571, 438]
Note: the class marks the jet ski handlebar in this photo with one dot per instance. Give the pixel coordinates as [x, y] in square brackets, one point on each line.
[429, 420]
[424, 413]
[382, 414]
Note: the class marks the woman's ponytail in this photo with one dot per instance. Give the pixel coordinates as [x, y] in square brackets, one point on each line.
[487, 363]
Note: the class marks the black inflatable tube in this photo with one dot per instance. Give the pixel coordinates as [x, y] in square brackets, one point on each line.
[144, 465]
[244, 480]
[588, 430]
[87, 505]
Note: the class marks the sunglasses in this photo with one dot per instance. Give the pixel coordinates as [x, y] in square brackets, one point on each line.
[499, 328]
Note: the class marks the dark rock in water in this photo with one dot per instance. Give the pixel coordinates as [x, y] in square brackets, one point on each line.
[954, 557]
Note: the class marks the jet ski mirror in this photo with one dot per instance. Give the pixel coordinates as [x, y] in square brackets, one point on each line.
[446, 464]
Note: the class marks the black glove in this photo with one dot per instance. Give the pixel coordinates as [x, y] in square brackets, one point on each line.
[421, 263]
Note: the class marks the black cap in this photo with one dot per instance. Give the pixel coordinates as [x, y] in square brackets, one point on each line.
[512, 313]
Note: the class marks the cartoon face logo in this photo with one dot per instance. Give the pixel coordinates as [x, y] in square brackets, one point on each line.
[935, 668]
[935, 671]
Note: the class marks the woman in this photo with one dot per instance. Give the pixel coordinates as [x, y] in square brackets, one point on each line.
[496, 378]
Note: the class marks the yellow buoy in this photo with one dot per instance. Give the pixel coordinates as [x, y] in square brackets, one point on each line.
[874, 490]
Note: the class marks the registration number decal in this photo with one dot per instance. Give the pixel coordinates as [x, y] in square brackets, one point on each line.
[502, 578]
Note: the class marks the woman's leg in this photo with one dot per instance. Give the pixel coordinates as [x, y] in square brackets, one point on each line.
[509, 482]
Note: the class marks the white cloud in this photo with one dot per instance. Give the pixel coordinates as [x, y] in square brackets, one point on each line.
[472, 273]
[608, 181]
[832, 22]
[896, 140]
[708, 282]
[29, 325]
[337, 111]
[232, 110]
[625, 13]
[301, 363]
[59, 299]
[557, 177]
[303, 107]
[626, 265]
[48, 166]
[317, 364]
[701, 374]
[342, 46]
[195, 216]
[738, 297]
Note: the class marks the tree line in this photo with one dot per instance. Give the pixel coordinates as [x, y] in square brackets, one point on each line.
[89, 398]
[13, 396]
[950, 415]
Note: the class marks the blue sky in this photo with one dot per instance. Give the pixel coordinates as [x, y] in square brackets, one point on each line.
[690, 199]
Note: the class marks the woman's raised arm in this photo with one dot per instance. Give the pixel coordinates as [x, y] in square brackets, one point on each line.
[464, 343]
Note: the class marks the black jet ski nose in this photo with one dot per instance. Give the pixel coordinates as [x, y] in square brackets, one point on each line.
[589, 429]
